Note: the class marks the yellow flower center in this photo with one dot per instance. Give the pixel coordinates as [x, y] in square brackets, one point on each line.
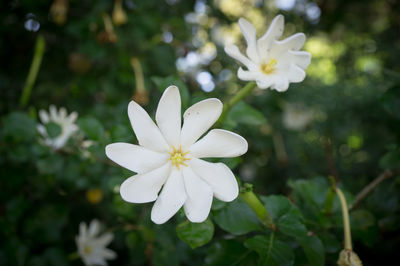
[177, 157]
[87, 250]
[269, 68]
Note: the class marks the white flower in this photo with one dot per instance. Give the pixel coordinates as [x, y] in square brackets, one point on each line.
[91, 247]
[168, 156]
[296, 117]
[66, 123]
[270, 62]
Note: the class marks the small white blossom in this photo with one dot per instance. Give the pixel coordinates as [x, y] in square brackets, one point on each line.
[270, 62]
[65, 122]
[92, 247]
[296, 117]
[168, 156]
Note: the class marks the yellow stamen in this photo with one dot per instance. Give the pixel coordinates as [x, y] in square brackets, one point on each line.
[269, 68]
[177, 157]
[87, 249]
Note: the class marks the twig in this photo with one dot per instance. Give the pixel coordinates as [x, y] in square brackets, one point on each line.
[33, 70]
[369, 188]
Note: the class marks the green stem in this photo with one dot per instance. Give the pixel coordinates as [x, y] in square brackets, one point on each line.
[73, 256]
[255, 204]
[33, 70]
[330, 197]
[346, 220]
[246, 90]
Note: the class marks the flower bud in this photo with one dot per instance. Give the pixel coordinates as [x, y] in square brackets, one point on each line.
[58, 11]
[348, 258]
[119, 16]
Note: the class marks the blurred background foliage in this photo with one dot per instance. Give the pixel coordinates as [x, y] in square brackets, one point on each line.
[341, 122]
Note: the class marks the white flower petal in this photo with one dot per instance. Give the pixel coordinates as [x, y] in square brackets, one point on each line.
[249, 75]
[281, 84]
[104, 239]
[135, 158]
[94, 228]
[72, 117]
[42, 130]
[274, 32]
[296, 74]
[145, 187]
[234, 52]
[171, 198]
[199, 196]
[294, 42]
[219, 143]
[147, 133]
[265, 83]
[218, 176]
[249, 33]
[299, 58]
[168, 115]
[82, 229]
[44, 116]
[108, 254]
[63, 113]
[96, 260]
[53, 113]
[198, 119]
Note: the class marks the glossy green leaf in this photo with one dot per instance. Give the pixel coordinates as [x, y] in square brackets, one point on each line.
[53, 129]
[237, 218]
[286, 216]
[91, 127]
[195, 234]
[314, 250]
[272, 252]
[243, 113]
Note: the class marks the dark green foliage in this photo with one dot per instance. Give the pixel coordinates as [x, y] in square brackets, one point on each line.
[352, 90]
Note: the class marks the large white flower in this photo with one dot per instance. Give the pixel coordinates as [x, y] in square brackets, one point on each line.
[168, 156]
[92, 247]
[270, 62]
[65, 122]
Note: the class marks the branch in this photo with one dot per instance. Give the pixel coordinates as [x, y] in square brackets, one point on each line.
[369, 188]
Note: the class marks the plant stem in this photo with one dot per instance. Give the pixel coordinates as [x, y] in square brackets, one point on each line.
[330, 196]
[255, 204]
[346, 220]
[370, 187]
[33, 70]
[246, 90]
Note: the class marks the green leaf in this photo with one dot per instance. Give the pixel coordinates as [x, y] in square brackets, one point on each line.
[243, 113]
[272, 252]
[278, 206]
[229, 252]
[286, 216]
[291, 226]
[91, 127]
[53, 129]
[238, 219]
[314, 249]
[195, 234]
[391, 160]
[18, 127]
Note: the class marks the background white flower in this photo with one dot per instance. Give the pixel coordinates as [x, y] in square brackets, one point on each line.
[168, 156]
[270, 62]
[66, 123]
[297, 117]
[92, 247]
